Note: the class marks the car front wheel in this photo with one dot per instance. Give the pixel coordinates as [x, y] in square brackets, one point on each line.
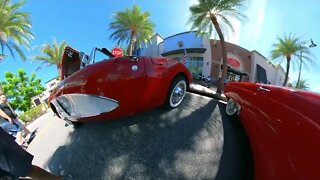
[232, 108]
[177, 92]
[72, 123]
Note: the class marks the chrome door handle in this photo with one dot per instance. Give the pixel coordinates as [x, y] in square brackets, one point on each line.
[263, 89]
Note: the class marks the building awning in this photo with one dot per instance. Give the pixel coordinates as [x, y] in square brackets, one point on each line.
[180, 51]
[235, 71]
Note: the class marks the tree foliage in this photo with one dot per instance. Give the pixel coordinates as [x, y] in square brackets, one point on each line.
[302, 84]
[288, 47]
[132, 27]
[15, 28]
[52, 53]
[215, 14]
[221, 11]
[19, 89]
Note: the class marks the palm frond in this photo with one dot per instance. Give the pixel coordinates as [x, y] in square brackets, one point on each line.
[221, 10]
[303, 84]
[15, 25]
[129, 23]
[52, 53]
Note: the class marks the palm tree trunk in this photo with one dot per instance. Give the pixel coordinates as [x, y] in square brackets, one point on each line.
[300, 67]
[130, 47]
[224, 54]
[287, 72]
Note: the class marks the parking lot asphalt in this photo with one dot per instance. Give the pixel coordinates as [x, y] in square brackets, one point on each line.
[194, 141]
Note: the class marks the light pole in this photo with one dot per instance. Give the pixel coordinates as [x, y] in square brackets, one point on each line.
[312, 45]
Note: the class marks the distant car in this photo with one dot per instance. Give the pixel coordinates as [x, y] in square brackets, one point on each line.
[101, 87]
[283, 127]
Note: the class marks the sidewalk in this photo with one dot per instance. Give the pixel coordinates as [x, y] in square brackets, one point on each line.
[209, 92]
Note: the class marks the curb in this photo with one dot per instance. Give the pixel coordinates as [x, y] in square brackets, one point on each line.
[208, 93]
[211, 95]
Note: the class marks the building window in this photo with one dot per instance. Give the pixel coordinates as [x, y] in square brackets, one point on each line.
[261, 76]
[37, 102]
[51, 85]
[194, 64]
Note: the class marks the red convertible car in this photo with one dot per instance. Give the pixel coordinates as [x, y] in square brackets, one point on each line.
[283, 127]
[101, 86]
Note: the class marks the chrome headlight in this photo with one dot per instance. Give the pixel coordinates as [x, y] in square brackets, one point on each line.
[65, 104]
[84, 105]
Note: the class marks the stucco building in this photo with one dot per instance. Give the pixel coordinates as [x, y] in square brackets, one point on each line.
[43, 97]
[204, 57]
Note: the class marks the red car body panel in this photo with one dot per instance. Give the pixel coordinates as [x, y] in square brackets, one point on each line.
[135, 91]
[283, 127]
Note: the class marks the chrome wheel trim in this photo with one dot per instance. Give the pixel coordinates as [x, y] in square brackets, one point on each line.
[232, 107]
[178, 93]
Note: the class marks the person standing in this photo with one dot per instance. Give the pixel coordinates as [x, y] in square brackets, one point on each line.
[13, 123]
[15, 162]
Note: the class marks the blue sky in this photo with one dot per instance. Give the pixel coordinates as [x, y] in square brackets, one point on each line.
[84, 25]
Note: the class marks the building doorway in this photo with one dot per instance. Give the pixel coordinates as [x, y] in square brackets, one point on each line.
[233, 75]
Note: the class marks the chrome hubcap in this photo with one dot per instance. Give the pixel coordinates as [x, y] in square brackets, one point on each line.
[232, 107]
[178, 93]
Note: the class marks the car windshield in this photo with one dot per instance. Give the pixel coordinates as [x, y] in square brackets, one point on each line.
[98, 55]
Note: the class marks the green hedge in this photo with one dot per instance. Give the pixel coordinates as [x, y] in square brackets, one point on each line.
[33, 113]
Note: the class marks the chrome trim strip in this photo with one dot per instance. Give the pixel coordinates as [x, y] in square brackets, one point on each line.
[84, 105]
[59, 109]
[75, 83]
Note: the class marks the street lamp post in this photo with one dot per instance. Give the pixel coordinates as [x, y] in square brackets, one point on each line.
[312, 45]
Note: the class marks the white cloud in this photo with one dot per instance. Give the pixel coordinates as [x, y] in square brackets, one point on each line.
[192, 2]
[258, 18]
[251, 30]
[234, 37]
[188, 14]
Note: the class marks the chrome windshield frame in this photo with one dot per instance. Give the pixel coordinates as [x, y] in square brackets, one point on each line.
[102, 50]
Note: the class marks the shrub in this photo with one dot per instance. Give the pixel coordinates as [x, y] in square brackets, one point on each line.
[33, 113]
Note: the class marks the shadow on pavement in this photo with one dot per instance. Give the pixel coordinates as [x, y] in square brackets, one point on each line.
[236, 160]
[184, 143]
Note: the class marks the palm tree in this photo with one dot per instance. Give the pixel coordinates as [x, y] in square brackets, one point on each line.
[209, 14]
[15, 28]
[131, 26]
[287, 47]
[302, 84]
[52, 53]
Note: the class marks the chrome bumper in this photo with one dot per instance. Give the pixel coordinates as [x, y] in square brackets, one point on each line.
[76, 106]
